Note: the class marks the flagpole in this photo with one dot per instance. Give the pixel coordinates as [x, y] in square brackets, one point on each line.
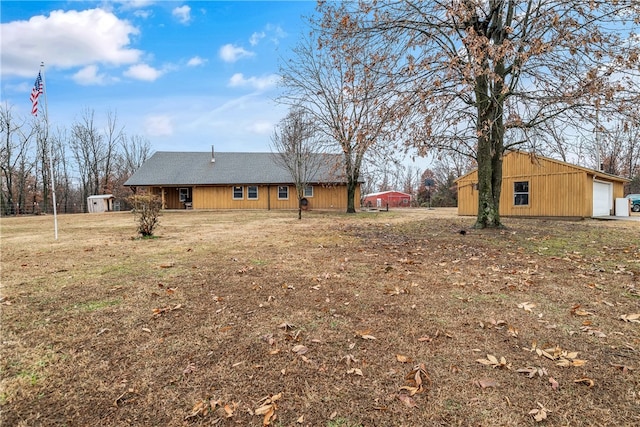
[46, 122]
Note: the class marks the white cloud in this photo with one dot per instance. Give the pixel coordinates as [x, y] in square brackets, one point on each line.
[134, 4]
[183, 13]
[89, 75]
[143, 72]
[256, 37]
[195, 61]
[260, 83]
[276, 33]
[261, 127]
[231, 53]
[144, 14]
[159, 125]
[66, 39]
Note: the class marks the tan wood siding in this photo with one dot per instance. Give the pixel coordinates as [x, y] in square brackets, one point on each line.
[221, 197]
[555, 188]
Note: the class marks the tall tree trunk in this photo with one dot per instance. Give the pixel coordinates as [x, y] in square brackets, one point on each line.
[352, 184]
[490, 129]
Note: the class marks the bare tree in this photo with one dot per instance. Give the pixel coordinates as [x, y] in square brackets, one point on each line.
[114, 137]
[343, 90]
[135, 150]
[298, 149]
[15, 164]
[93, 151]
[472, 71]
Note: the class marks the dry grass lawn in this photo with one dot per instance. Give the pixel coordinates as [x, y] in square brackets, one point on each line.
[373, 319]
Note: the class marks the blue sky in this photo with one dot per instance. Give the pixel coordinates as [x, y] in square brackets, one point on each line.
[184, 75]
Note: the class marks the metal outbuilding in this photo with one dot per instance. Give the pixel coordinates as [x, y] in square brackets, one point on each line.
[100, 203]
[537, 186]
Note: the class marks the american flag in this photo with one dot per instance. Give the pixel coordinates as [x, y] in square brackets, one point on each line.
[35, 94]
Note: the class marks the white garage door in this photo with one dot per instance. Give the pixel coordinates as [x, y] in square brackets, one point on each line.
[602, 198]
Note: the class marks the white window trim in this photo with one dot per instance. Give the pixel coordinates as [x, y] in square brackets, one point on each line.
[233, 192]
[248, 193]
[181, 194]
[283, 186]
[305, 191]
[528, 193]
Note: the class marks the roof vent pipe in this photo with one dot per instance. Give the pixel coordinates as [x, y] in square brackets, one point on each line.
[213, 156]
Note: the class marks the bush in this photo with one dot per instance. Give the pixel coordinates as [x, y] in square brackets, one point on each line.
[146, 209]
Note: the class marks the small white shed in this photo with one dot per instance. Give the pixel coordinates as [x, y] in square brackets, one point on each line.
[100, 203]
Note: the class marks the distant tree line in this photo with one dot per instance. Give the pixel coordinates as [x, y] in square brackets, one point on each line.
[87, 159]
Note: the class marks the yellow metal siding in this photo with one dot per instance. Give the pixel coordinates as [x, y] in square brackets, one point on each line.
[555, 188]
[221, 197]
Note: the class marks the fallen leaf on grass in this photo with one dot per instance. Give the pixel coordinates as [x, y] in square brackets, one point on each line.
[586, 381]
[527, 306]
[486, 383]
[402, 358]
[268, 338]
[396, 291]
[570, 363]
[286, 326]
[299, 349]
[418, 378]
[590, 331]
[157, 312]
[407, 400]
[410, 390]
[349, 359]
[125, 396]
[365, 335]
[532, 371]
[268, 408]
[355, 371]
[577, 311]
[204, 407]
[625, 369]
[493, 361]
[539, 414]
[554, 383]
[632, 318]
[189, 369]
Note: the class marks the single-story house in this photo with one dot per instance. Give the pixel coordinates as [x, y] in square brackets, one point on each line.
[100, 203]
[383, 199]
[204, 180]
[534, 186]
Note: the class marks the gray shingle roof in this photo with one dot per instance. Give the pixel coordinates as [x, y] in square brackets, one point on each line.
[168, 168]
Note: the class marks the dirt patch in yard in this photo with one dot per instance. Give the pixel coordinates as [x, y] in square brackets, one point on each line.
[374, 319]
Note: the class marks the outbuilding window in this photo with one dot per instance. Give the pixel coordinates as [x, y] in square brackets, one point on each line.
[252, 192]
[521, 193]
[283, 192]
[238, 193]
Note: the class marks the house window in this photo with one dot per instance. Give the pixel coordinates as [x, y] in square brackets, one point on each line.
[238, 193]
[521, 193]
[283, 192]
[308, 191]
[252, 192]
[184, 194]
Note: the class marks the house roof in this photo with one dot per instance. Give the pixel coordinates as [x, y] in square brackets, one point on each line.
[171, 168]
[595, 173]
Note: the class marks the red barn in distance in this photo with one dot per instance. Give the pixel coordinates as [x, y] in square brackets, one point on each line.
[384, 199]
